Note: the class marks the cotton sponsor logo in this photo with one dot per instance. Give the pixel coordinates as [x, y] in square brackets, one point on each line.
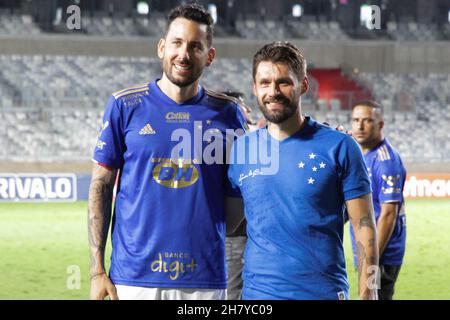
[178, 117]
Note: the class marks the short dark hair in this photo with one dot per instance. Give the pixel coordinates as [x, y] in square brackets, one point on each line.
[371, 104]
[284, 52]
[195, 12]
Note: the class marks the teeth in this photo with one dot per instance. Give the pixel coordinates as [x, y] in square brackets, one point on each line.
[181, 67]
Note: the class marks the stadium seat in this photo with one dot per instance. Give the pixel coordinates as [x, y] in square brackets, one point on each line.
[47, 92]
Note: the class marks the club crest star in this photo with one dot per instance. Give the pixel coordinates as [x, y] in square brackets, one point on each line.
[312, 156]
[322, 165]
[311, 181]
[301, 165]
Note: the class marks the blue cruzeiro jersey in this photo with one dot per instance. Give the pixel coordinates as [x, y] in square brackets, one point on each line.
[295, 218]
[168, 224]
[387, 176]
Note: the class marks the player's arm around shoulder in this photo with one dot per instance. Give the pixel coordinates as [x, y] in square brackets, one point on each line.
[361, 215]
[99, 218]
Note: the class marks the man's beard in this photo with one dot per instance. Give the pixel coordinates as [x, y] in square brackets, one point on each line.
[279, 116]
[184, 81]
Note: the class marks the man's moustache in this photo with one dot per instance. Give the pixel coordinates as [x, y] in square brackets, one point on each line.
[276, 100]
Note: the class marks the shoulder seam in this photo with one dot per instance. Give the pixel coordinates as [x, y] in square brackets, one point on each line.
[220, 96]
[132, 89]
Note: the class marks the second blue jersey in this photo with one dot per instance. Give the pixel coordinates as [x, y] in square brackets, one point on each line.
[387, 175]
[295, 214]
[168, 225]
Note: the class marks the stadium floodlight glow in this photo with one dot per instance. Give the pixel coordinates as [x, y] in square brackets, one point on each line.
[448, 15]
[142, 7]
[297, 10]
[212, 8]
[365, 15]
[58, 16]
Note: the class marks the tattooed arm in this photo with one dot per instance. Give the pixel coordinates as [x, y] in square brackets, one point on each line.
[99, 218]
[360, 211]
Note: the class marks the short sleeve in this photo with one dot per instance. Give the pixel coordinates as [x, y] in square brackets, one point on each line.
[239, 119]
[353, 171]
[239, 122]
[110, 147]
[231, 186]
[390, 176]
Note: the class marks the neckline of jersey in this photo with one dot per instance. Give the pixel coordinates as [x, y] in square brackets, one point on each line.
[309, 122]
[376, 147]
[161, 95]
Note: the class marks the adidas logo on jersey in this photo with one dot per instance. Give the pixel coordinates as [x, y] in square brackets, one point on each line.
[147, 130]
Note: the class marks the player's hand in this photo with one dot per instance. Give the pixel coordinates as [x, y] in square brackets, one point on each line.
[261, 123]
[101, 287]
[341, 128]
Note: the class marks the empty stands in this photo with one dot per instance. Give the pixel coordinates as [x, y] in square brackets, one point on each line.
[51, 106]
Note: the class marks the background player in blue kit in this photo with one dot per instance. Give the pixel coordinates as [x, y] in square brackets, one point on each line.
[387, 175]
[295, 215]
[168, 229]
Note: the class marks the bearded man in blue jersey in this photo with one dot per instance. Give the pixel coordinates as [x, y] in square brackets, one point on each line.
[295, 215]
[387, 175]
[168, 228]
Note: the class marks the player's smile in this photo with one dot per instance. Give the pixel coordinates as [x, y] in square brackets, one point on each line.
[277, 103]
[182, 68]
[274, 105]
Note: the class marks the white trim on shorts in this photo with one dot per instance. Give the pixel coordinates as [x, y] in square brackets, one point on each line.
[141, 293]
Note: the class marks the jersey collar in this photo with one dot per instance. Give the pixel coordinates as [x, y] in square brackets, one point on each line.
[308, 124]
[154, 88]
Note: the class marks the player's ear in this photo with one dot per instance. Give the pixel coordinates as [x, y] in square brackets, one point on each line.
[381, 124]
[254, 88]
[161, 48]
[211, 56]
[305, 85]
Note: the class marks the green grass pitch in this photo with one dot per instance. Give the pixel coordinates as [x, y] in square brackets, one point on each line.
[40, 242]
